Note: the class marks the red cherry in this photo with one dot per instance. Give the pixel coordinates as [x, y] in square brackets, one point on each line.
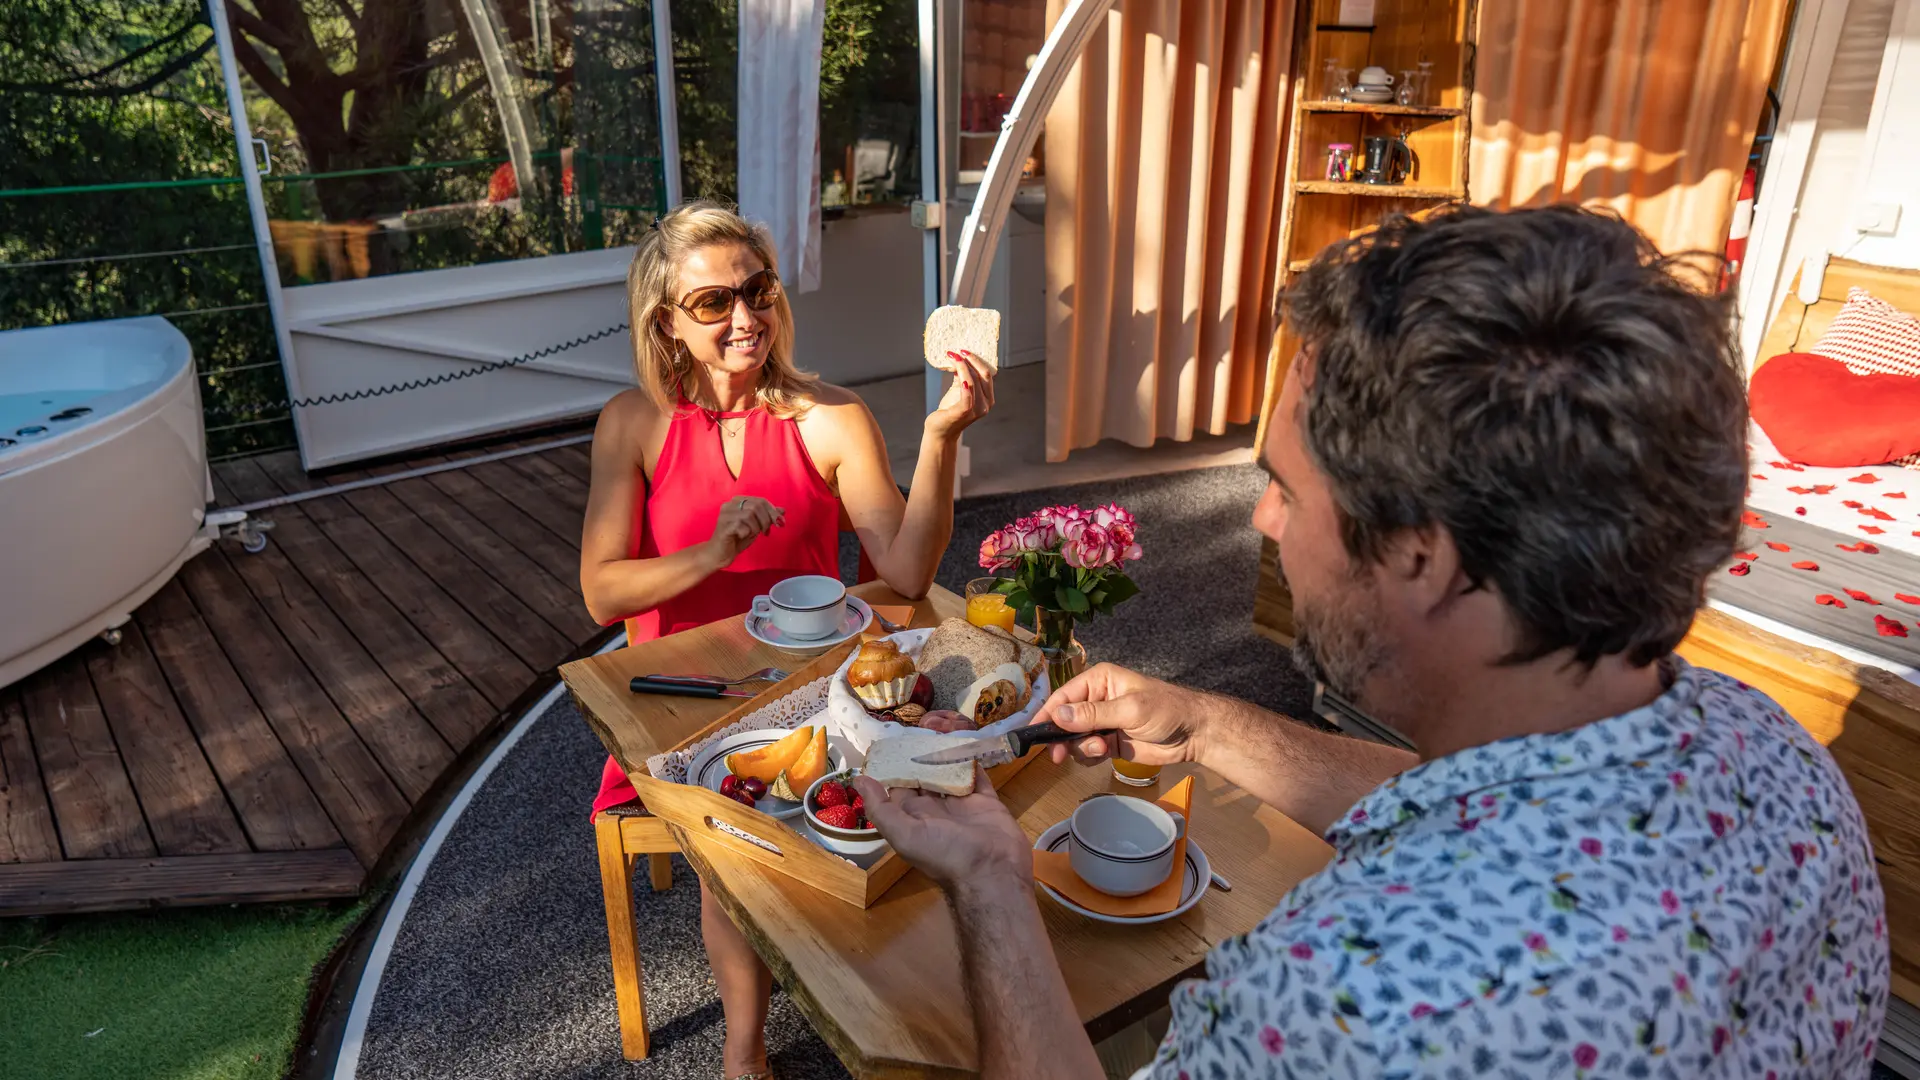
[741, 797]
[754, 787]
[729, 784]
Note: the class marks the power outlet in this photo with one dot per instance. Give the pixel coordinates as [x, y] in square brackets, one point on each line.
[1877, 219]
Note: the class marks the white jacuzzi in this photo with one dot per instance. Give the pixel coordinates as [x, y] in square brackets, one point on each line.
[103, 480]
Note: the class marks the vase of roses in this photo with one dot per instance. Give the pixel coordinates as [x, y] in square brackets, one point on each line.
[1067, 564]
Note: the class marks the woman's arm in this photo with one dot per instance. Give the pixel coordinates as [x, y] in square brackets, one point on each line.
[614, 585]
[905, 537]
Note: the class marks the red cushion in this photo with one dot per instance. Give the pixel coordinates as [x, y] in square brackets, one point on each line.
[1819, 413]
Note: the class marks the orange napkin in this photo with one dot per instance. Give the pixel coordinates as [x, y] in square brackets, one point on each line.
[1055, 868]
[897, 613]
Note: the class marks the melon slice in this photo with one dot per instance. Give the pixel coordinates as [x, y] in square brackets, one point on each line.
[768, 762]
[811, 765]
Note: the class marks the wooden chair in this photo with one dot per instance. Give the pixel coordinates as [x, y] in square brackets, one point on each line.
[623, 839]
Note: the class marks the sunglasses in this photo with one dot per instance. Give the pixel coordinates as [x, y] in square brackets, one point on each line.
[715, 302]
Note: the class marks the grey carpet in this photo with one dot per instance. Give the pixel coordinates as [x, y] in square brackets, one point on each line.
[500, 968]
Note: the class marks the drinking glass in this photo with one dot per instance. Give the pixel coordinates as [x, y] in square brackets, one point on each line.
[985, 607]
[1409, 93]
[1425, 96]
[1129, 772]
[1330, 81]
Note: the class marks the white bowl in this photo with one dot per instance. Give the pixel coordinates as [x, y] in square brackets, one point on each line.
[852, 843]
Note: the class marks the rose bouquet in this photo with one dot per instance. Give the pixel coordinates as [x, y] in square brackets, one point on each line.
[1068, 564]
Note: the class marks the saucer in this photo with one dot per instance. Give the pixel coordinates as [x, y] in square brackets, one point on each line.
[1199, 875]
[852, 622]
[1370, 97]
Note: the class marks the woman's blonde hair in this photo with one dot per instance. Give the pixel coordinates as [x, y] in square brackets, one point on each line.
[653, 285]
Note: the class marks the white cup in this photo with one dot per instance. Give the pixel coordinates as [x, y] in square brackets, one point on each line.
[804, 608]
[1123, 846]
[1375, 77]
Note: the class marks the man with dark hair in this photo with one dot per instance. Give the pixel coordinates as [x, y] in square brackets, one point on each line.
[1506, 459]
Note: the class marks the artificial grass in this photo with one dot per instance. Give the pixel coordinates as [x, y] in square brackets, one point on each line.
[196, 994]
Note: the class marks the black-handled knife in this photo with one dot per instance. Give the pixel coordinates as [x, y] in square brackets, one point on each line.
[999, 749]
[642, 685]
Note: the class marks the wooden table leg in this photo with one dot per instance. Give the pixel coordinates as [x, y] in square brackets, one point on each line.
[616, 881]
[660, 867]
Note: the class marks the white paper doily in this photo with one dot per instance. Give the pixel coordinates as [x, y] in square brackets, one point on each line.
[848, 719]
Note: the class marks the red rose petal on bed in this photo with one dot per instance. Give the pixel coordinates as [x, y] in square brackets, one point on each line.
[1740, 569]
[1894, 495]
[1806, 564]
[1907, 598]
[1877, 514]
[1788, 465]
[1875, 530]
[1822, 489]
[1752, 520]
[1797, 490]
[1778, 546]
[1860, 596]
[1827, 599]
[1889, 627]
[1801, 510]
[1759, 476]
[1745, 556]
[1864, 547]
[1852, 504]
[1865, 478]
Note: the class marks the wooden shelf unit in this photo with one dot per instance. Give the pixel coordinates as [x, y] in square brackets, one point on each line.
[1316, 212]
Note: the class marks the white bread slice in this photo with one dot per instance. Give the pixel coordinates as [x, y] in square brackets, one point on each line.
[890, 761]
[962, 329]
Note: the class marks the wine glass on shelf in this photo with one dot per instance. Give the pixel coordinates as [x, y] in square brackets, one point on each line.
[1408, 93]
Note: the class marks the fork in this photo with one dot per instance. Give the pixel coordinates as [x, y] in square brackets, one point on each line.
[770, 674]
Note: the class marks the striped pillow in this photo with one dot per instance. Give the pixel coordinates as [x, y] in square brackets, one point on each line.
[1872, 337]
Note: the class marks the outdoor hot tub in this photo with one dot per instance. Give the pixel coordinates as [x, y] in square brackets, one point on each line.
[103, 480]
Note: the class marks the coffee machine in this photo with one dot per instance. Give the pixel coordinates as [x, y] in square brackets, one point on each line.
[1389, 160]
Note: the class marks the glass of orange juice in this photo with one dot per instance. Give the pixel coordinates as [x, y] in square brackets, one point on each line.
[1128, 772]
[986, 607]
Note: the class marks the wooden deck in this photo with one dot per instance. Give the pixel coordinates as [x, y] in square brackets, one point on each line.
[269, 723]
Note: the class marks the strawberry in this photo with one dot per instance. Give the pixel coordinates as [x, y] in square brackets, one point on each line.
[840, 817]
[831, 793]
[859, 805]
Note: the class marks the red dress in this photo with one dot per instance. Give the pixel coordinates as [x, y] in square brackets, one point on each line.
[690, 482]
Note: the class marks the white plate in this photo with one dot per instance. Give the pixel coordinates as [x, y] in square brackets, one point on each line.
[1199, 875]
[710, 768]
[856, 618]
[1371, 97]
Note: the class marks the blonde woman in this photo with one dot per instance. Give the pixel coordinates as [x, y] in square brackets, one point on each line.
[729, 469]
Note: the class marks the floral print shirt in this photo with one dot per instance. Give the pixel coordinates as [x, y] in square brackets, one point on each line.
[1684, 890]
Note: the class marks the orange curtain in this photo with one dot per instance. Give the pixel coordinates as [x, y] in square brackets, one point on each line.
[1647, 106]
[1163, 159]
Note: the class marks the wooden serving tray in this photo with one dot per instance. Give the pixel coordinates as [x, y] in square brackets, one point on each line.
[694, 812]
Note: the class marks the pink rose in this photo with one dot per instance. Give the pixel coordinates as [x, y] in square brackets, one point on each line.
[996, 551]
[1091, 549]
[1585, 1055]
[1025, 534]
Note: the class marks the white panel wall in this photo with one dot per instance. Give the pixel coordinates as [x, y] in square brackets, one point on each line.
[1890, 176]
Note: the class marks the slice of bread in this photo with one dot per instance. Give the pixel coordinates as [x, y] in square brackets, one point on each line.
[957, 655]
[1031, 659]
[962, 329]
[890, 761]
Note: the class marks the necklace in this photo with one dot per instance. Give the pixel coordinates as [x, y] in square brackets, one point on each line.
[731, 433]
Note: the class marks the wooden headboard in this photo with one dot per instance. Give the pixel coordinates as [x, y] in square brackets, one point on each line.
[1796, 326]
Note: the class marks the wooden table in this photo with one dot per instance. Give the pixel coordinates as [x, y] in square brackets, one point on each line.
[882, 984]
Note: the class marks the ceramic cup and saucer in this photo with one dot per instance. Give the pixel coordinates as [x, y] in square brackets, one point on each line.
[1374, 87]
[1124, 847]
[810, 613]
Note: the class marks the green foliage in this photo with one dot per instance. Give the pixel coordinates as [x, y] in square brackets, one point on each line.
[204, 994]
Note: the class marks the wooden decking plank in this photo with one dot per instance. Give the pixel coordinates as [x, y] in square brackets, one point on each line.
[539, 503]
[408, 747]
[571, 492]
[456, 709]
[489, 665]
[94, 807]
[26, 819]
[275, 805]
[557, 600]
[178, 881]
[285, 469]
[577, 460]
[364, 804]
[538, 645]
[185, 809]
[556, 556]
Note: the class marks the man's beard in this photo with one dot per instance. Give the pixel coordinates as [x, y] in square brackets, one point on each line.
[1338, 645]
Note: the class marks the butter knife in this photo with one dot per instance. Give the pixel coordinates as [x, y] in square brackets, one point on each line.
[641, 685]
[999, 749]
